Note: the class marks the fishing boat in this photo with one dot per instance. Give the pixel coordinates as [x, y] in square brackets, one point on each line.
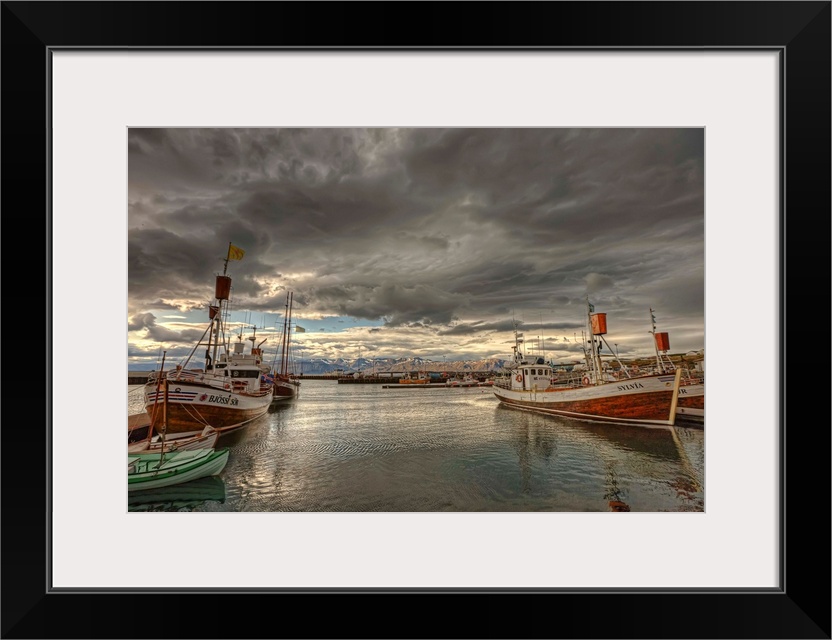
[231, 391]
[466, 381]
[164, 468]
[420, 379]
[595, 393]
[285, 387]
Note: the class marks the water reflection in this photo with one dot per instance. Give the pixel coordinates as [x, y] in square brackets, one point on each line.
[618, 460]
[360, 448]
[180, 497]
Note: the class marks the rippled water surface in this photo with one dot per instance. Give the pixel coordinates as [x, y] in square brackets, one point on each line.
[359, 447]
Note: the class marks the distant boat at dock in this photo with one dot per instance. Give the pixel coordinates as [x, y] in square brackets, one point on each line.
[465, 381]
[420, 379]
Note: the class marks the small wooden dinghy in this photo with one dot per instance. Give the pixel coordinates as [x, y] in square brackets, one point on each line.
[155, 470]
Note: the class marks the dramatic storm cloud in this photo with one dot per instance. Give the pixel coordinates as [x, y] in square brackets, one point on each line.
[428, 242]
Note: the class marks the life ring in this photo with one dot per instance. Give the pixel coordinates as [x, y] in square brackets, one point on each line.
[519, 378]
[585, 381]
[227, 386]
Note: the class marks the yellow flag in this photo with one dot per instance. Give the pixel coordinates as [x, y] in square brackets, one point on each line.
[235, 253]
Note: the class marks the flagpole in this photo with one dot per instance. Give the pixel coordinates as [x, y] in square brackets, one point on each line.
[227, 258]
[655, 344]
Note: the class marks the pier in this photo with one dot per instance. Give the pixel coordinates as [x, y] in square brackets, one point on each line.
[138, 377]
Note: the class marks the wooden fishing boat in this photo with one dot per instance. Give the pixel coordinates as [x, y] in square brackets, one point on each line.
[231, 390]
[284, 386]
[593, 394]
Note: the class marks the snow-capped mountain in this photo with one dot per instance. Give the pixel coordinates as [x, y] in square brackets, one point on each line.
[322, 366]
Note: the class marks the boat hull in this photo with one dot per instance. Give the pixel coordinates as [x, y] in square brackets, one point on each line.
[284, 390]
[648, 401]
[192, 406]
[691, 405]
[144, 472]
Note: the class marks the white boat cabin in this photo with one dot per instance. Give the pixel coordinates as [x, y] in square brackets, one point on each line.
[240, 372]
[531, 374]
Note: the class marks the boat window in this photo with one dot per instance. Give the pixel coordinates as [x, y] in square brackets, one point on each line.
[245, 373]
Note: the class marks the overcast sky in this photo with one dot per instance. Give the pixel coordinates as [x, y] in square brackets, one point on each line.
[418, 242]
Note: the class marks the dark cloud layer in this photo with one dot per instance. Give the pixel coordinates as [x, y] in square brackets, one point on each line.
[442, 228]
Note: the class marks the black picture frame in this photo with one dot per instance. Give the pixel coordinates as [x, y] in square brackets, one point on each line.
[799, 31]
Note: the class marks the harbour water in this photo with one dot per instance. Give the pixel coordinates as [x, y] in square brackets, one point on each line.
[357, 448]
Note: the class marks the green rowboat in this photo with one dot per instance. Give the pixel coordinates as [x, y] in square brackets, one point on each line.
[155, 470]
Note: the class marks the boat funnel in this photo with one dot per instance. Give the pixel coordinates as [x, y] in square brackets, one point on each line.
[599, 323]
[223, 288]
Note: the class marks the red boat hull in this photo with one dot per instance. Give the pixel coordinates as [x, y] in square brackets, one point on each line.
[647, 401]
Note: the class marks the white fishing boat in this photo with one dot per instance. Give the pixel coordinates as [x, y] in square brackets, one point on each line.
[466, 381]
[593, 394]
[231, 391]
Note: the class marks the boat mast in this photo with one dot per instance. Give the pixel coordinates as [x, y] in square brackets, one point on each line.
[164, 424]
[153, 413]
[283, 337]
[596, 358]
[659, 366]
[221, 293]
[518, 355]
[288, 333]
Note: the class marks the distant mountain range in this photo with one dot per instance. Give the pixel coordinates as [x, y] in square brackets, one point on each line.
[320, 366]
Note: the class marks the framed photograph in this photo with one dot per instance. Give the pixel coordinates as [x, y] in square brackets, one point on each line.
[105, 102]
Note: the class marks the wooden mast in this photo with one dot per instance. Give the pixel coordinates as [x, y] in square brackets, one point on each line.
[283, 339]
[288, 334]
